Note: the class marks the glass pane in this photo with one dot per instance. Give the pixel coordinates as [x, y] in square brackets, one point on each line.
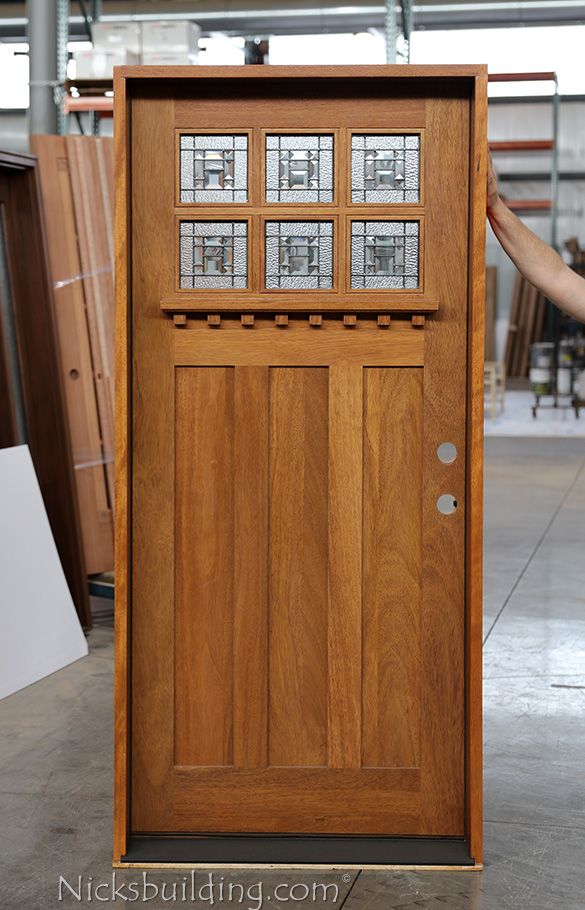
[384, 254]
[385, 168]
[214, 254]
[299, 168]
[299, 254]
[214, 168]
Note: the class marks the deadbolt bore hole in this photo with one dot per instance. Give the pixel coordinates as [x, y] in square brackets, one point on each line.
[447, 453]
[446, 504]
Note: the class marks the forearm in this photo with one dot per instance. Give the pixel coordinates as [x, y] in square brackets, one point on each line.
[538, 262]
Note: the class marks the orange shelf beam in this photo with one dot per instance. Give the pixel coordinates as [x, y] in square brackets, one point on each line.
[522, 77]
[523, 145]
[529, 205]
[95, 103]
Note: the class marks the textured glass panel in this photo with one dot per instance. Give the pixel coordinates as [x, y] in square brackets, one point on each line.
[299, 168]
[385, 169]
[299, 254]
[214, 254]
[214, 169]
[384, 254]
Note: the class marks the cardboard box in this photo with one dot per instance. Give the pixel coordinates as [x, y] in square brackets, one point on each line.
[160, 58]
[115, 36]
[99, 64]
[178, 36]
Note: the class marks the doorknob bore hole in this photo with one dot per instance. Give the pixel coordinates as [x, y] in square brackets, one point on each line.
[447, 452]
[446, 504]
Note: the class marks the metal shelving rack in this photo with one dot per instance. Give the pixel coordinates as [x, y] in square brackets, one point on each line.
[536, 206]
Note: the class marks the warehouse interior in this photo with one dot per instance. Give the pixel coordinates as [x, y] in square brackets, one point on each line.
[57, 520]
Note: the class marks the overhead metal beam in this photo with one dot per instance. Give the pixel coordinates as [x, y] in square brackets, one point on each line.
[243, 17]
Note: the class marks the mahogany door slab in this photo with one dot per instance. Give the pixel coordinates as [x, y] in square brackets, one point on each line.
[299, 607]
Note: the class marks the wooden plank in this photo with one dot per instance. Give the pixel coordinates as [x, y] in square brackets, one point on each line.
[291, 798]
[540, 318]
[402, 346]
[521, 332]
[474, 460]
[531, 313]
[95, 506]
[444, 420]
[32, 406]
[392, 555]
[344, 626]
[152, 438]
[306, 73]
[357, 301]
[122, 477]
[92, 185]
[298, 567]
[251, 441]
[204, 568]
[512, 336]
[491, 289]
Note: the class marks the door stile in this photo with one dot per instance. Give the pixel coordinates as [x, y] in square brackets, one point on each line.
[153, 480]
[344, 626]
[444, 420]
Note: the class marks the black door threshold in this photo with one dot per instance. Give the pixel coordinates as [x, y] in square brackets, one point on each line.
[298, 849]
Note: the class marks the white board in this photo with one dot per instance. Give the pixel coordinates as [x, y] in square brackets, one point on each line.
[39, 628]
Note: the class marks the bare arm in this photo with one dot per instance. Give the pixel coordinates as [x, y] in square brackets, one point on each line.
[537, 261]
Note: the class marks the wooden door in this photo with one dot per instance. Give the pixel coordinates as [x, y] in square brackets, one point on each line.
[300, 281]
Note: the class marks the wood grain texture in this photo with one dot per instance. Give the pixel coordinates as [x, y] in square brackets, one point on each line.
[95, 507]
[377, 72]
[444, 420]
[391, 654]
[298, 567]
[251, 494]
[204, 566]
[491, 300]
[307, 537]
[28, 323]
[366, 344]
[287, 799]
[152, 453]
[92, 183]
[474, 479]
[122, 472]
[344, 663]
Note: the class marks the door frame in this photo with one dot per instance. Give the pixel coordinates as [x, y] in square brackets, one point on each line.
[473, 80]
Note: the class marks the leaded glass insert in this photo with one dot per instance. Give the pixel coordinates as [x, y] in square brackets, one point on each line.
[299, 168]
[214, 254]
[299, 254]
[214, 168]
[384, 254]
[385, 168]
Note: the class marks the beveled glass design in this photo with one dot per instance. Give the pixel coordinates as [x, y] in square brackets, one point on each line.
[214, 254]
[299, 254]
[384, 254]
[385, 169]
[299, 168]
[214, 169]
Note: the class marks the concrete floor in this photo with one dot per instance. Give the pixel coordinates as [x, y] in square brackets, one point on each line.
[56, 736]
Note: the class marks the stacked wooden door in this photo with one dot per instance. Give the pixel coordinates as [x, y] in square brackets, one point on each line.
[299, 465]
